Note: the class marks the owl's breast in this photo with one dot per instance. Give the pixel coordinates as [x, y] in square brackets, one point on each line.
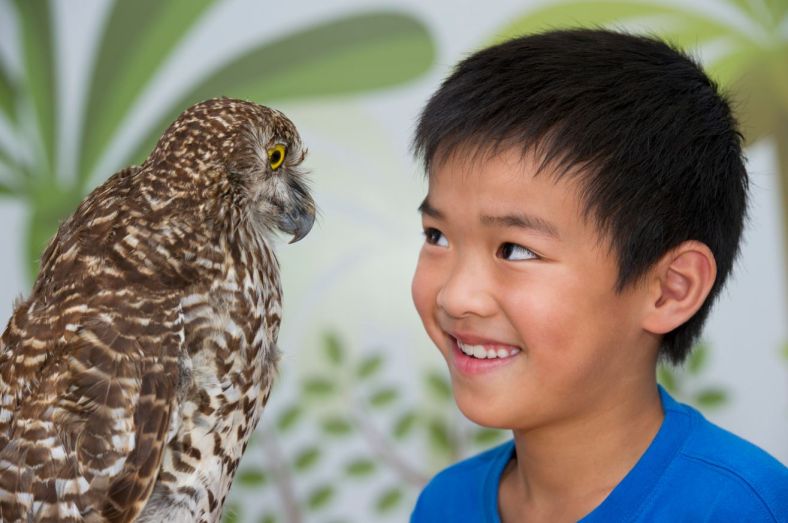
[226, 373]
[231, 335]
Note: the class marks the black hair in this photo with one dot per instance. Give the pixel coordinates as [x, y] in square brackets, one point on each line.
[651, 137]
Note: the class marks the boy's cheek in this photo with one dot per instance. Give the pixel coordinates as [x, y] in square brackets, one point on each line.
[418, 291]
[423, 290]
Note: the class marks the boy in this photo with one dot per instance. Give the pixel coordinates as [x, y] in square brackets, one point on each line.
[586, 199]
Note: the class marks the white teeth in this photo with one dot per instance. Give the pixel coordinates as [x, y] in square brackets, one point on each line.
[481, 352]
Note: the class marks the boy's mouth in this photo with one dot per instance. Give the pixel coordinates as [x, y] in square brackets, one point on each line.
[483, 352]
[473, 356]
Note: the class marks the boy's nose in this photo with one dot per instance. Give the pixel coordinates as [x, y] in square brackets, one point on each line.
[466, 292]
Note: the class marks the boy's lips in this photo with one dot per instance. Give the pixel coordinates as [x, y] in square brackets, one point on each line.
[475, 355]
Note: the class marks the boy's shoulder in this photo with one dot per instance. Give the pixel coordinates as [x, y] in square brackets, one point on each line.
[716, 467]
[715, 447]
[448, 498]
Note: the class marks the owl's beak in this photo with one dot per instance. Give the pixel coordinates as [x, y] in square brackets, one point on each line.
[302, 224]
[299, 219]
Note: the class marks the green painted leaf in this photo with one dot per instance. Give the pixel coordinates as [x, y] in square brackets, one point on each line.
[7, 190]
[40, 80]
[360, 467]
[711, 398]
[319, 387]
[268, 518]
[333, 348]
[610, 13]
[336, 426]
[320, 497]
[439, 436]
[369, 366]
[697, 359]
[8, 94]
[760, 92]
[686, 27]
[252, 478]
[388, 500]
[785, 351]
[485, 436]
[232, 513]
[667, 378]
[767, 13]
[307, 458]
[138, 37]
[8, 164]
[289, 417]
[50, 204]
[404, 424]
[780, 10]
[355, 54]
[384, 397]
[438, 386]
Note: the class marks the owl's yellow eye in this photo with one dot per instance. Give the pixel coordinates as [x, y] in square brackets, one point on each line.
[276, 156]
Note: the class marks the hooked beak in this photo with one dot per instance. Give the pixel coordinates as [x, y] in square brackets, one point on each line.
[298, 219]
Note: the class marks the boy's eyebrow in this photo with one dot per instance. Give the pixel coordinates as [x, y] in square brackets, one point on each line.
[429, 210]
[524, 221]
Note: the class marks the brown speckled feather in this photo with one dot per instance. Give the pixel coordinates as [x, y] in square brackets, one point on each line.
[134, 374]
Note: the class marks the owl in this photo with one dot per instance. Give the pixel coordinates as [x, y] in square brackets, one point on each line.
[133, 376]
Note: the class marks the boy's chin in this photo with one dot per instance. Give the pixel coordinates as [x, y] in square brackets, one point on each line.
[485, 413]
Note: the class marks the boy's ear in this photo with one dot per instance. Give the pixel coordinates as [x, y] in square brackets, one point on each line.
[678, 286]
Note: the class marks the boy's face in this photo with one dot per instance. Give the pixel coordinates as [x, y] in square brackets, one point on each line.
[509, 269]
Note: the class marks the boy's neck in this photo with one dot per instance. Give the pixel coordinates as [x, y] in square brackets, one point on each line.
[565, 471]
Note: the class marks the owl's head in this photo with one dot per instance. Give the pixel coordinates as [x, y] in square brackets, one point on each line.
[245, 154]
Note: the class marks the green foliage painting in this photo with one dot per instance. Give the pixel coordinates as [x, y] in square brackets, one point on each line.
[688, 383]
[352, 403]
[358, 53]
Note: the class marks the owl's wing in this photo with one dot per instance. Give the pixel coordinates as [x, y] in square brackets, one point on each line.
[90, 219]
[87, 434]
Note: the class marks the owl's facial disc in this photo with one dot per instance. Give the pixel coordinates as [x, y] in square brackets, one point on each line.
[279, 193]
[267, 162]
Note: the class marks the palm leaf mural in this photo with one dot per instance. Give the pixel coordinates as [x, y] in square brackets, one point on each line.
[748, 54]
[36, 25]
[136, 41]
[351, 55]
[7, 95]
[358, 53]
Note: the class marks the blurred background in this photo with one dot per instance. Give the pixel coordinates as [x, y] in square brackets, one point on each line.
[362, 415]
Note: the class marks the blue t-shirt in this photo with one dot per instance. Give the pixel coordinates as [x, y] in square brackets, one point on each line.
[692, 471]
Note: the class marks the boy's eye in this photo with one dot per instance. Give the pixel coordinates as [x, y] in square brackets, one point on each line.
[514, 252]
[434, 237]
